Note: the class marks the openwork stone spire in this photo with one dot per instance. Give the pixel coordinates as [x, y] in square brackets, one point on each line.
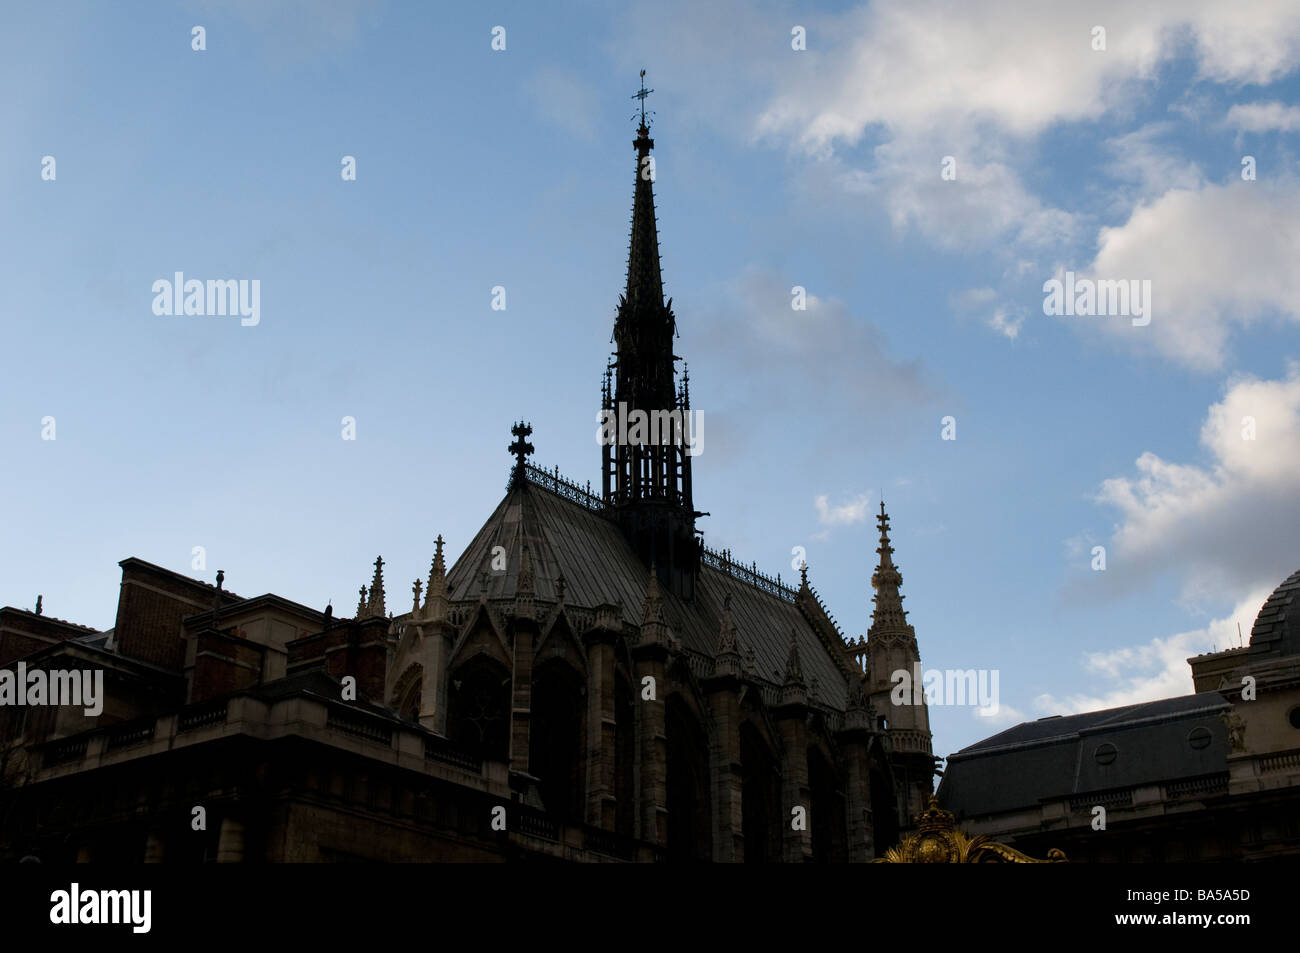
[889, 621]
[646, 477]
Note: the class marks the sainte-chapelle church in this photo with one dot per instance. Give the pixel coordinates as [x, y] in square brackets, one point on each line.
[588, 681]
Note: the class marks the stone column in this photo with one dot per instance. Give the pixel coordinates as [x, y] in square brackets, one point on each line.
[521, 693]
[601, 726]
[723, 691]
[650, 661]
[855, 750]
[796, 845]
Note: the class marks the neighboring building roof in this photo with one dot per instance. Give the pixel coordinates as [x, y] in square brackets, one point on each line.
[1277, 627]
[1096, 751]
[599, 566]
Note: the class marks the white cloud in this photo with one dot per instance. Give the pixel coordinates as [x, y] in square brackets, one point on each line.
[1007, 324]
[1004, 716]
[846, 514]
[1229, 525]
[1155, 669]
[1218, 258]
[1020, 66]
[1264, 117]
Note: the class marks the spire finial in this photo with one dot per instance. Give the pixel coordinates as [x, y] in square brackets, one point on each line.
[641, 94]
[416, 587]
[361, 602]
[521, 448]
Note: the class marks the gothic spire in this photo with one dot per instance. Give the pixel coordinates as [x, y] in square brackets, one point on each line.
[376, 603]
[889, 619]
[644, 282]
[646, 475]
[435, 593]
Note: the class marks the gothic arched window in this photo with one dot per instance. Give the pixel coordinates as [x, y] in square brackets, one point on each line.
[478, 719]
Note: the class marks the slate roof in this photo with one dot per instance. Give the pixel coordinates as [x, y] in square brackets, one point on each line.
[1057, 757]
[1277, 627]
[599, 566]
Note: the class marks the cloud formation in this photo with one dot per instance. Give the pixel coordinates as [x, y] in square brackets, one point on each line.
[1225, 526]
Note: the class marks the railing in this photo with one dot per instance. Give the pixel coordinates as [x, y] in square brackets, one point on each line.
[609, 843]
[441, 751]
[1197, 787]
[1278, 762]
[531, 822]
[1085, 803]
[200, 716]
[134, 733]
[65, 752]
[561, 486]
[759, 580]
[361, 725]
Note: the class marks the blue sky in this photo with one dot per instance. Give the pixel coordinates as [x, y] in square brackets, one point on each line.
[775, 168]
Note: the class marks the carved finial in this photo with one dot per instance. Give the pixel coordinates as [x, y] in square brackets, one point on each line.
[521, 448]
[416, 587]
[361, 603]
[652, 610]
[376, 604]
[437, 588]
[38, 605]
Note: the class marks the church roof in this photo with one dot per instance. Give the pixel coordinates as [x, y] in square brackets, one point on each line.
[1078, 755]
[575, 539]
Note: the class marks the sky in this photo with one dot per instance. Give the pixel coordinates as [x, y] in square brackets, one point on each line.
[920, 169]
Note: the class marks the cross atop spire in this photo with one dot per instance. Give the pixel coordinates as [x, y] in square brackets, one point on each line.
[641, 94]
